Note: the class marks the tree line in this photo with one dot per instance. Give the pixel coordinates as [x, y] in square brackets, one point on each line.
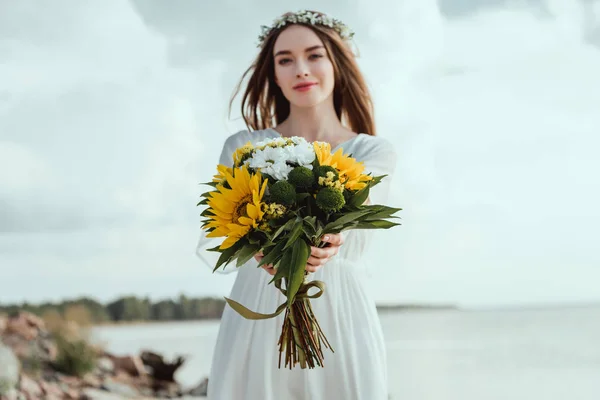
[129, 309]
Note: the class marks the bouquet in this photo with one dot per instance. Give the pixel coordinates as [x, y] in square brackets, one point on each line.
[280, 197]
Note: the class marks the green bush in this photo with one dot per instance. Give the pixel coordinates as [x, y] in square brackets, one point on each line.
[75, 356]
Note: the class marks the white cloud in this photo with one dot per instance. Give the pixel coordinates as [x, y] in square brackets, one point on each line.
[493, 114]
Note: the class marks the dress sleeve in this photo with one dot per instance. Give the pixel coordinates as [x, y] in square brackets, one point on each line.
[379, 158]
[210, 258]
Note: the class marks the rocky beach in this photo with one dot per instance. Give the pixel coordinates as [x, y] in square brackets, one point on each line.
[38, 361]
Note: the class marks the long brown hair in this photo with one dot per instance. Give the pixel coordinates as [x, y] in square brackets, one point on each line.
[264, 104]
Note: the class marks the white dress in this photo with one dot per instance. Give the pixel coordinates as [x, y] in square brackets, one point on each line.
[246, 356]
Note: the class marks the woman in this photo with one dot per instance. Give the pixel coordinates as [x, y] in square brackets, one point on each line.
[306, 81]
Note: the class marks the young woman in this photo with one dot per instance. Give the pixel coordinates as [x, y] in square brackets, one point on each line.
[305, 82]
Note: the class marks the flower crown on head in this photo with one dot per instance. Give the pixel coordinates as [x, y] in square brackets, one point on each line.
[306, 17]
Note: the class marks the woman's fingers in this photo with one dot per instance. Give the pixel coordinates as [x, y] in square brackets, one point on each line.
[269, 268]
[325, 252]
[258, 256]
[334, 239]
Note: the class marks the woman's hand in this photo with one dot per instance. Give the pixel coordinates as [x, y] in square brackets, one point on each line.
[319, 256]
[267, 267]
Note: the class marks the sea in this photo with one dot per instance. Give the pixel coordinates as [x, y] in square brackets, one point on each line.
[437, 354]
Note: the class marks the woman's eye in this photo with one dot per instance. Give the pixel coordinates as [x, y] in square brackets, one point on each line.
[283, 61]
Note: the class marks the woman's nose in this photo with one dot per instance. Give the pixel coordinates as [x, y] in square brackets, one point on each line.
[301, 69]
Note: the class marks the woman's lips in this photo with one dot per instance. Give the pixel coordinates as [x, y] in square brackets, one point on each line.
[304, 87]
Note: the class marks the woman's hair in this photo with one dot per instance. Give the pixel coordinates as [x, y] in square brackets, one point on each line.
[263, 102]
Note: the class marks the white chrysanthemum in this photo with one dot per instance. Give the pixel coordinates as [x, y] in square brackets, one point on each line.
[262, 158]
[275, 161]
[303, 154]
[279, 170]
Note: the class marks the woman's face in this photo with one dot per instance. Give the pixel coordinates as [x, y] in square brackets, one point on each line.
[301, 59]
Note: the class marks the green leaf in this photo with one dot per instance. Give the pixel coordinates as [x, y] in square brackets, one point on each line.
[207, 194]
[246, 253]
[344, 219]
[310, 226]
[300, 254]
[283, 267]
[301, 196]
[216, 248]
[206, 213]
[295, 234]
[311, 223]
[359, 197]
[383, 212]
[285, 227]
[271, 257]
[381, 224]
[227, 254]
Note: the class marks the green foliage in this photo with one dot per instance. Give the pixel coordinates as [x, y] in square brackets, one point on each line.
[129, 309]
[125, 309]
[75, 356]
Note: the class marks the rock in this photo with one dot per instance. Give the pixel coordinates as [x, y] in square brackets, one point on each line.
[162, 370]
[50, 350]
[51, 390]
[25, 325]
[9, 373]
[119, 388]
[133, 365]
[96, 394]
[69, 381]
[3, 323]
[91, 380]
[199, 390]
[72, 394]
[105, 365]
[167, 390]
[30, 388]
[13, 394]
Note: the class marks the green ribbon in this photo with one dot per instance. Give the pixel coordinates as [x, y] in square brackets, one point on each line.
[302, 294]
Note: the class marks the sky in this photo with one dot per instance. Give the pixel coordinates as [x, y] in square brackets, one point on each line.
[112, 114]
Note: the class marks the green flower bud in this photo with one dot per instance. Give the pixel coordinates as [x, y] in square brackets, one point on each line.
[283, 192]
[330, 200]
[322, 170]
[301, 177]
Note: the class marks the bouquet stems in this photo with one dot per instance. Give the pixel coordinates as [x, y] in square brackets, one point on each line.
[301, 336]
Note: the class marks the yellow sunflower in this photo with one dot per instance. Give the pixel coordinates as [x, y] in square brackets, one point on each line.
[350, 170]
[222, 170]
[236, 210]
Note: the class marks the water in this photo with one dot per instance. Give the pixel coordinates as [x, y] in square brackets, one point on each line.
[550, 354]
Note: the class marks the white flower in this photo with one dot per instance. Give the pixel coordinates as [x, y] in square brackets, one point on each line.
[278, 170]
[265, 157]
[305, 155]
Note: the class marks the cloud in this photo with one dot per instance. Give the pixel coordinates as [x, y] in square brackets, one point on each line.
[117, 112]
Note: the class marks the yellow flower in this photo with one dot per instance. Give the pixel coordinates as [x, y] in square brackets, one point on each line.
[350, 170]
[236, 210]
[222, 170]
[241, 152]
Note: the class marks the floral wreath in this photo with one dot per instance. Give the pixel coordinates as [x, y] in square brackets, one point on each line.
[309, 18]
